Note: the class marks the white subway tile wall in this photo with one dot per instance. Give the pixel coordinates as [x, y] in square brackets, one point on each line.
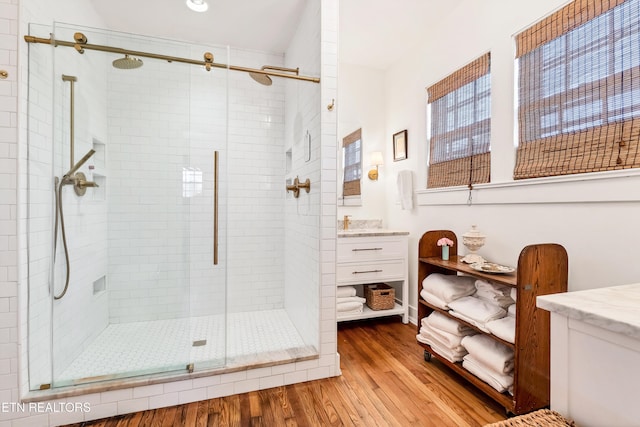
[137, 398]
[9, 350]
[303, 215]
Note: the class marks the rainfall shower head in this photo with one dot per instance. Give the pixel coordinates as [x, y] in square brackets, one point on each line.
[127, 63]
[264, 79]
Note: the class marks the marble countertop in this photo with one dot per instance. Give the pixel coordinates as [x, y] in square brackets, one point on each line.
[371, 232]
[616, 309]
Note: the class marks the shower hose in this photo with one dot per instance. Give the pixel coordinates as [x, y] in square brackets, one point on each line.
[60, 214]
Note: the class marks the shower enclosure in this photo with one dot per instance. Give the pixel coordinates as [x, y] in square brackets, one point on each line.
[185, 253]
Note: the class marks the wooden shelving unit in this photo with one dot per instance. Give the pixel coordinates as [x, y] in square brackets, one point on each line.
[542, 269]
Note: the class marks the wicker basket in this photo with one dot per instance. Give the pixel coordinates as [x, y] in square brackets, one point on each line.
[540, 418]
[380, 296]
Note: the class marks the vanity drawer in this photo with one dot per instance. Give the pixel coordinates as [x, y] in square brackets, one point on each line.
[370, 272]
[369, 248]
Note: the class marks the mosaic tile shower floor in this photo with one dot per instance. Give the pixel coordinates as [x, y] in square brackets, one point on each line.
[123, 350]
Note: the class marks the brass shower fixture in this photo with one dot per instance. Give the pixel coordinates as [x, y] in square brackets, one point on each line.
[264, 79]
[81, 44]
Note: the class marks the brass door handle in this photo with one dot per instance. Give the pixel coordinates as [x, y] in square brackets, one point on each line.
[215, 208]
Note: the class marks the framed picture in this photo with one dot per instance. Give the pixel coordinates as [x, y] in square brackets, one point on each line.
[400, 145]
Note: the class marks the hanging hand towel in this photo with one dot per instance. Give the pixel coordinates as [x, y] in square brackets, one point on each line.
[405, 189]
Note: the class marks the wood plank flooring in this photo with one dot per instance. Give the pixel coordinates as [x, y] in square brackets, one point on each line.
[384, 382]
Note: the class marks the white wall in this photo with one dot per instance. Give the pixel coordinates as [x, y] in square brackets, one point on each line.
[588, 217]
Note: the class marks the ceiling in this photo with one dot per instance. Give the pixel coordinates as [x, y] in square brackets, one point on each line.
[373, 33]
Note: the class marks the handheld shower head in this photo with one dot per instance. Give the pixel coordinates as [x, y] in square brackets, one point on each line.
[79, 164]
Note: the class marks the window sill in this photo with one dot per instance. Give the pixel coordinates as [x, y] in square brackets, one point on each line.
[350, 201]
[610, 186]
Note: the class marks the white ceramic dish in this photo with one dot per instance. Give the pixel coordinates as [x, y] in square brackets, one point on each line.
[492, 268]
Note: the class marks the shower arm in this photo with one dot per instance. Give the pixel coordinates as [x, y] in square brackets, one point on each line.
[80, 44]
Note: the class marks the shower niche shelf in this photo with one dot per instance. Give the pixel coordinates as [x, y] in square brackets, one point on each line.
[100, 285]
[99, 192]
[97, 171]
[99, 159]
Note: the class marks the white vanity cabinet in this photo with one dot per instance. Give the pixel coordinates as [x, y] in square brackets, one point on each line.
[374, 256]
[595, 354]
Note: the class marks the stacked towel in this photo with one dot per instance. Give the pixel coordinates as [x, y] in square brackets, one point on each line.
[504, 328]
[501, 382]
[433, 300]
[490, 353]
[347, 303]
[514, 294]
[489, 360]
[499, 295]
[476, 311]
[346, 291]
[444, 288]
[444, 336]
[440, 321]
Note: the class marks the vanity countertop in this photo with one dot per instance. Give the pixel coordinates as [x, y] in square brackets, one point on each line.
[615, 309]
[371, 232]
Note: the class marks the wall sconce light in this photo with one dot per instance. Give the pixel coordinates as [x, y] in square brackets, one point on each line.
[376, 160]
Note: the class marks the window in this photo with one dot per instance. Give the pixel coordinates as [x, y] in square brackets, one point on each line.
[461, 126]
[352, 148]
[579, 90]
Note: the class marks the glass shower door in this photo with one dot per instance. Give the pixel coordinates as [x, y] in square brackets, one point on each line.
[134, 279]
[130, 238]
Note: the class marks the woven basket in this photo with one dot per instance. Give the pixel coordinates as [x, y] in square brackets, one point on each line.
[380, 296]
[540, 418]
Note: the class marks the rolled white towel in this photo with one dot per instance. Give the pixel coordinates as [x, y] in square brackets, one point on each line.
[440, 321]
[449, 287]
[514, 294]
[340, 300]
[477, 309]
[511, 310]
[345, 291]
[504, 328]
[348, 306]
[433, 300]
[501, 382]
[492, 354]
[493, 293]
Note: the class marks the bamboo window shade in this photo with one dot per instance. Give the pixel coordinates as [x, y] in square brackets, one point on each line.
[352, 145]
[460, 104]
[579, 90]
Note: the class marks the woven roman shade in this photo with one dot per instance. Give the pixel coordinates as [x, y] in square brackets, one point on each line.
[461, 126]
[579, 90]
[352, 145]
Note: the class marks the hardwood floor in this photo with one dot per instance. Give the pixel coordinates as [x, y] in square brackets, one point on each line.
[384, 382]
